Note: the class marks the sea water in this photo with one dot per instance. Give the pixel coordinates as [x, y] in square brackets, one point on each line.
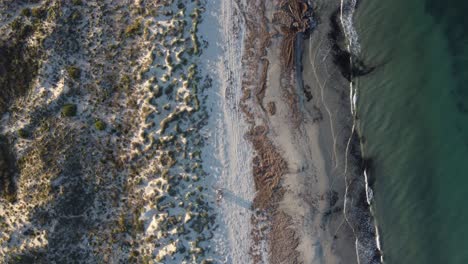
[413, 111]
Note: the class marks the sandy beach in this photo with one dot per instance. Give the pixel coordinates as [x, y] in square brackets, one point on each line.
[227, 155]
[300, 120]
[203, 132]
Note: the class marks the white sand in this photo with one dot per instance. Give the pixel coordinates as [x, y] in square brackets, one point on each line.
[314, 152]
[228, 155]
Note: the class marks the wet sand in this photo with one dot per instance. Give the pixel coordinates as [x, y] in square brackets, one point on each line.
[300, 124]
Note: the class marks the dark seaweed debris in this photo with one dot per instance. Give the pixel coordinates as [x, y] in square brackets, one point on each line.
[349, 65]
[359, 214]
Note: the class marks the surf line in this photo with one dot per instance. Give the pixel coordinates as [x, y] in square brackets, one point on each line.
[353, 47]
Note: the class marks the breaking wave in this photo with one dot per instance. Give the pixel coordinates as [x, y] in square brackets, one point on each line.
[360, 214]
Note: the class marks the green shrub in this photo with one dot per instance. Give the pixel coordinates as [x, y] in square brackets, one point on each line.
[23, 133]
[146, 260]
[69, 110]
[77, 2]
[16, 24]
[125, 82]
[76, 15]
[37, 13]
[181, 6]
[74, 72]
[25, 31]
[138, 224]
[10, 197]
[122, 223]
[100, 125]
[133, 28]
[26, 12]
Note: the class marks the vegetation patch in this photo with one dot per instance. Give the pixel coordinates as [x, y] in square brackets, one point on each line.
[38, 13]
[74, 72]
[149, 160]
[26, 12]
[125, 82]
[100, 125]
[18, 66]
[8, 170]
[23, 133]
[133, 28]
[69, 110]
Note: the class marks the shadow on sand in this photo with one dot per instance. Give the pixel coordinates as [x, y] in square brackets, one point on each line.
[230, 197]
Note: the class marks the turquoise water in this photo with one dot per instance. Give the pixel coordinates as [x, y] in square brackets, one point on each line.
[414, 118]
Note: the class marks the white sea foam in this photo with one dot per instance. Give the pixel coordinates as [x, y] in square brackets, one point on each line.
[369, 192]
[346, 16]
[365, 248]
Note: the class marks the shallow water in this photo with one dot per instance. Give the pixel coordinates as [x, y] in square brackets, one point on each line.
[414, 113]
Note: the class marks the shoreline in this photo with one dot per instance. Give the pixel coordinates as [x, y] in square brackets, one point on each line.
[306, 126]
[296, 213]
